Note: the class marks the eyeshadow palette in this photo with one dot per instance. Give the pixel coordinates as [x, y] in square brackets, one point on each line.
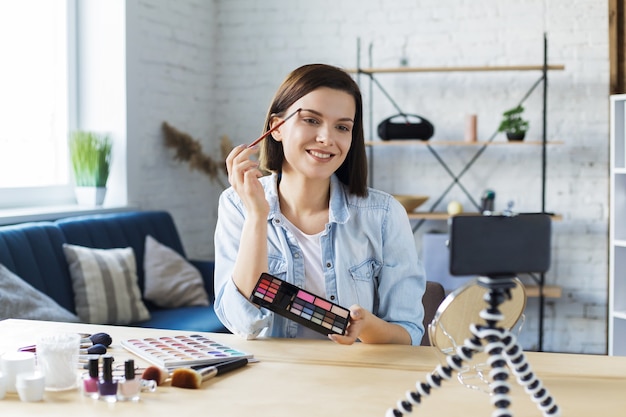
[182, 350]
[300, 305]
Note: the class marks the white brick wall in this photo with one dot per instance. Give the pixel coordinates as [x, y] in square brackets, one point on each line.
[211, 68]
[171, 60]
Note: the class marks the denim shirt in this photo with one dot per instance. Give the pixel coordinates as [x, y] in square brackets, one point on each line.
[369, 257]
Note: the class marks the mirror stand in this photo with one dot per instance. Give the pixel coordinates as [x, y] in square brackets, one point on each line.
[504, 353]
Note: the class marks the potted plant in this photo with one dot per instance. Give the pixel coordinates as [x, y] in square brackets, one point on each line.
[513, 124]
[90, 153]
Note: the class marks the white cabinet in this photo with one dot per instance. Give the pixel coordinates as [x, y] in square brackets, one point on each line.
[617, 228]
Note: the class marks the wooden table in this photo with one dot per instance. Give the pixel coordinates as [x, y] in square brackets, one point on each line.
[319, 378]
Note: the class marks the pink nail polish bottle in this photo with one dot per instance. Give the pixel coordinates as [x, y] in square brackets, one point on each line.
[90, 380]
[130, 386]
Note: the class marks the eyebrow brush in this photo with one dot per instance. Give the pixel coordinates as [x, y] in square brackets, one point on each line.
[264, 135]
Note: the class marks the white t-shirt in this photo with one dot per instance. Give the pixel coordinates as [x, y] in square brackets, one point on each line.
[313, 272]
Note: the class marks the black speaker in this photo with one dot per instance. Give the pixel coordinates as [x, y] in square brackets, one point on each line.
[405, 126]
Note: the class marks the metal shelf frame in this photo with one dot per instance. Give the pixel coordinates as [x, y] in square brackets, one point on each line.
[370, 73]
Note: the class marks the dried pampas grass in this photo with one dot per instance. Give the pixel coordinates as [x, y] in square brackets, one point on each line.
[189, 150]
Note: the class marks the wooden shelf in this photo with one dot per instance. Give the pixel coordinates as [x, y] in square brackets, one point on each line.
[424, 215]
[412, 142]
[549, 291]
[397, 70]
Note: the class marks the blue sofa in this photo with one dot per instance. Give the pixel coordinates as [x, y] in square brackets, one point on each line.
[34, 252]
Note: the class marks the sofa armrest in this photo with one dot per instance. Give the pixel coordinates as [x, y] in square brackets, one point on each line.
[207, 269]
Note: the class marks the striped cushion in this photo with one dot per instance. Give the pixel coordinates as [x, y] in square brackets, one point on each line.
[105, 285]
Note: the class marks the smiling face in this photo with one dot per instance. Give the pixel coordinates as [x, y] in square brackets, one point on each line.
[317, 140]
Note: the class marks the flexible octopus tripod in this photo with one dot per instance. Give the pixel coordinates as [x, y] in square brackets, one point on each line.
[503, 350]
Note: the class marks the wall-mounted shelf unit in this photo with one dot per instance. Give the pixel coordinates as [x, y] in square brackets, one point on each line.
[440, 215]
[433, 215]
[456, 143]
[617, 228]
[421, 217]
[500, 68]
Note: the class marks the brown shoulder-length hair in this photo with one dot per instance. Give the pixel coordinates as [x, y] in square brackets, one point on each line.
[300, 82]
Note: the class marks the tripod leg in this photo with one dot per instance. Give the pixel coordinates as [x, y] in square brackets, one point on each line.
[503, 350]
[434, 379]
[499, 373]
[516, 360]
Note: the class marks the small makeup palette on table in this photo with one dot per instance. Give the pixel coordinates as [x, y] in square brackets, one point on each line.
[182, 350]
[299, 305]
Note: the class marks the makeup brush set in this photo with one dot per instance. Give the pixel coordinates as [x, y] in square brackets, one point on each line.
[191, 377]
[91, 346]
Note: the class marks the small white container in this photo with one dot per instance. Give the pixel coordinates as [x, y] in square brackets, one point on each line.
[14, 363]
[3, 385]
[30, 386]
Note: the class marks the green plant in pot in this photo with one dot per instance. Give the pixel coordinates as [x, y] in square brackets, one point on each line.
[90, 153]
[513, 124]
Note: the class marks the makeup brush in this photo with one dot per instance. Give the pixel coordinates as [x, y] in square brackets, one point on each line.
[97, 349]
[154, 373]
[193, 379]
[97, 338]
[264, 135]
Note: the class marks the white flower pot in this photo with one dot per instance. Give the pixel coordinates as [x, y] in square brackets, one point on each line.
[90, 196]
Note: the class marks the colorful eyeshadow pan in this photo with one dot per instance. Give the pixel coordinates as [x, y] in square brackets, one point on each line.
[300, 306]
[170, 352]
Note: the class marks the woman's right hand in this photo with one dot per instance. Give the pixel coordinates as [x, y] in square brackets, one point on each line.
[243, 175]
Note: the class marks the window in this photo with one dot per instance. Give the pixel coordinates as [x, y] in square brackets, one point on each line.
[36, 81]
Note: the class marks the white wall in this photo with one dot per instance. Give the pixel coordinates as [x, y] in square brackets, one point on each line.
[170, 73]
[211, 67]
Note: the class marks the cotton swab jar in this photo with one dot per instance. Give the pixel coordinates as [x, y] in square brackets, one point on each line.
[57, 356]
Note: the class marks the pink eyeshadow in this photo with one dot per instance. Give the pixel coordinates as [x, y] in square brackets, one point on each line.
[305, 296]
[323, 304]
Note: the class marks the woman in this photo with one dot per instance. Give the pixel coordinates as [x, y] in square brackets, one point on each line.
[314, 223]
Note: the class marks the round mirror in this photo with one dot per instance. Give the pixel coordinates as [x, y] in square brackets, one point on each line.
[461, 308]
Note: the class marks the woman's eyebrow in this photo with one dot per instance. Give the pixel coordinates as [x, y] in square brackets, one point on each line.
[346, 119]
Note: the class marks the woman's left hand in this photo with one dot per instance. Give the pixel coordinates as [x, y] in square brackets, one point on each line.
[368, 328]
[358, 321]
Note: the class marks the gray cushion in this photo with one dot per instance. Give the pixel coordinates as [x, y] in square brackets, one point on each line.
[170, 281]
[20, 300]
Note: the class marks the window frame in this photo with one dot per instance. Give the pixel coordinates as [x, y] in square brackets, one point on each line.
[60, 194]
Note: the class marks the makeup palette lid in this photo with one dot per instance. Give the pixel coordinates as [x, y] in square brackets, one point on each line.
[171, 351]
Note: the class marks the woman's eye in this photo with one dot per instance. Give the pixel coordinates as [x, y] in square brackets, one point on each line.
[310, 120]
[343, 128]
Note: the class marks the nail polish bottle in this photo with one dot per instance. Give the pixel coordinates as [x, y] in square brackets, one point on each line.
[129, 386]
[90, 379]
[107, 386]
